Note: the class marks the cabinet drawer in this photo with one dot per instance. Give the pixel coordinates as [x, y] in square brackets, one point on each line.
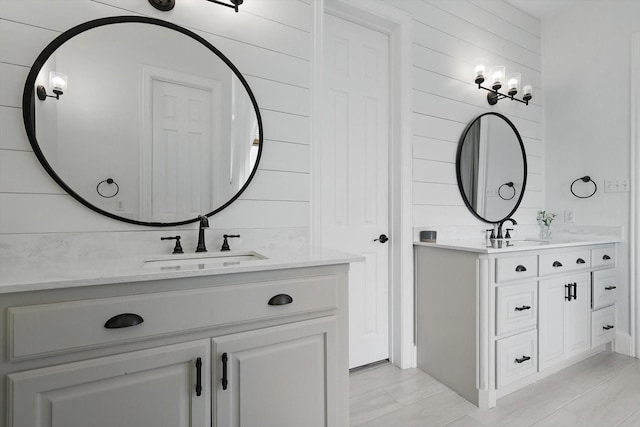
[604, 256]
[518, 267]
[564, 261]
[516, 357]
[603, 326]
[516, 307]
[59, 327]
[604, 284]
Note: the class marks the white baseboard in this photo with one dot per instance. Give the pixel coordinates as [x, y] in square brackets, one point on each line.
[624, 344]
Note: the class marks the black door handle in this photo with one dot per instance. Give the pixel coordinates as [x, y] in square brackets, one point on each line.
[523, 359]
[567, 292]
[224, 381]
[575, 290]
[557, 264]
[281, 299]
[198, 376]
[124, 320]
[382, 238]
[521, 268]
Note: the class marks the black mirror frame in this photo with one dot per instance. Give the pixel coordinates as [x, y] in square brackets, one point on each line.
[458, 171]
[28, 108]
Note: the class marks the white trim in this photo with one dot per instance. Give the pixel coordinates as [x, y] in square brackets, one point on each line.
[634, 217]
[397, 24]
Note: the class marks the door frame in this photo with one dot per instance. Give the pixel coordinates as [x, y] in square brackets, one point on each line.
[634, 220]
[380, 16]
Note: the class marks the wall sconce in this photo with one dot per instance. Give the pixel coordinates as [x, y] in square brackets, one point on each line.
[497, 78]
[57, 84]
[234, 3]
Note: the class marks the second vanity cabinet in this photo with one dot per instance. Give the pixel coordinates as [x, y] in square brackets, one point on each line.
[491, 322]
[253, 349]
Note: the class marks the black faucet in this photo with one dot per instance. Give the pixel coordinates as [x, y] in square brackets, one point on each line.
[225, 243]
[204, 223]
[501, 223]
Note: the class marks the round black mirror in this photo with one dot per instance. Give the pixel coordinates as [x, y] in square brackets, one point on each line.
[491, 167]
[142, 120]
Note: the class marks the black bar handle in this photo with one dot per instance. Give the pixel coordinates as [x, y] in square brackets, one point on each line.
[606, 257]
[198, 376]
[557, 264]
[224, 381]
[606, 328]
[281, 299]
[575, 290]
[610, 288]
[567, 292]
[524, 307]
[580, 261]
[124, 320]
[521, 268]
[523, 359]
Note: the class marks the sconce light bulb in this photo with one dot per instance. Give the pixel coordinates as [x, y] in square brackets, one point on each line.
[497, 77]
[526, 92]
[57, 82]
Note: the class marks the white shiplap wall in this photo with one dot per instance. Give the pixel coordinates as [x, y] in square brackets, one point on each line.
[449, 37]
[268, 40]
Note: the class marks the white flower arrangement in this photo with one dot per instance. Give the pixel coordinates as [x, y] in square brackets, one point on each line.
[545, 217]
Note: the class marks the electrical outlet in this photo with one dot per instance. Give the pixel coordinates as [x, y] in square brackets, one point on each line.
[119, 205]
[570, 216]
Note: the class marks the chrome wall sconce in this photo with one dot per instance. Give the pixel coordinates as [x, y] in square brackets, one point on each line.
[234, 3]
[57, 84]
[497, 78]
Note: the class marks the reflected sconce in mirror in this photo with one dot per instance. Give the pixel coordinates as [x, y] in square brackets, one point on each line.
[233, 3]
[585, 179]
[497, 79]
[57, 84]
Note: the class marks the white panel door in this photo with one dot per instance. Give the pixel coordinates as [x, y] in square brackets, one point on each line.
[181, 162]
[354, 173]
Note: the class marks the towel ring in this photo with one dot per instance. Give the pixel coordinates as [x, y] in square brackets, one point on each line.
[585, 178]
[508, 184]
[108, 181]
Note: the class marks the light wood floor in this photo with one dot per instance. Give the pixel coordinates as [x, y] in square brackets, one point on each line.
[601, 391]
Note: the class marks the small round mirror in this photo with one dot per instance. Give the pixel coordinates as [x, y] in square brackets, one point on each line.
[491, 167]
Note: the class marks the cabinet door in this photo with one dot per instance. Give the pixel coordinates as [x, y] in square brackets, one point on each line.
[149, 388]
[578, 320]
[283, 376]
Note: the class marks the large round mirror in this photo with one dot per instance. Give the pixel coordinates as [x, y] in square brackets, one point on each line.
[142, 120]
[491, 167]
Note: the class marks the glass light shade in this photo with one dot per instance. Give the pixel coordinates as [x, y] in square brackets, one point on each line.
[526, 92]
[513, 83]
[480, 71]
[497, 76]
[57, 82]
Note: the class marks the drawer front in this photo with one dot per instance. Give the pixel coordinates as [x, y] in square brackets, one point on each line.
[518, 267]
[516, 307]
[564, 261]
[59, 327]
[604, 256]
[516, 357]
[603, 326]
[605, 285]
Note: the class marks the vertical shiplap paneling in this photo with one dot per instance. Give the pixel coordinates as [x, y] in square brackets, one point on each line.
[269, 42]
[449, 38]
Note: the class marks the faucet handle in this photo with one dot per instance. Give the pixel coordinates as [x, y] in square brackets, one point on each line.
[225, 243]
[178, 247]
[493, 233]
[507, 235]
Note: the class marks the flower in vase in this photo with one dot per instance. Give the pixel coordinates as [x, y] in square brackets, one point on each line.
[545, 217]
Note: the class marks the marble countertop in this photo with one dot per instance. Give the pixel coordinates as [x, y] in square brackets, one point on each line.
[516, 245]
[50, 273]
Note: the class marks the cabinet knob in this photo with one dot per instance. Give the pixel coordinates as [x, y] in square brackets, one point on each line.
[607, 327]
[521, 268]
[281, 299]
[524, 307]
[523, 359]
[557, 264]
[580, 261]
[124, 320]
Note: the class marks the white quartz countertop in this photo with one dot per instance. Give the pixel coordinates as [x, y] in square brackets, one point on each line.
[516, 245]
[67, 273]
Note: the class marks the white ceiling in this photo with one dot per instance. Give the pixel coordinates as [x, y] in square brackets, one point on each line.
[543, 8]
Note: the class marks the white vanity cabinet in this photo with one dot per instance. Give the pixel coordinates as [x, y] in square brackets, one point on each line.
[282, 334]
[489, 322]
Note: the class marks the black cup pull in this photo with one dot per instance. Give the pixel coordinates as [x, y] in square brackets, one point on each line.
[124, 320]
[224, 381]
[198, 376]
[523, 359]
[524, 307]
[610, 288]
[606, 257]
[557, 264]
[606, 328]
[580, 261]
[281, 299]
[521, 268]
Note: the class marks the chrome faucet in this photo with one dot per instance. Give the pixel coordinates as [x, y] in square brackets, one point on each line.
[501, 223]
[204, 223]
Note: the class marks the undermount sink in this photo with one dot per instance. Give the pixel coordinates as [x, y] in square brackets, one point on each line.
[528, 242]
[202, 261]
